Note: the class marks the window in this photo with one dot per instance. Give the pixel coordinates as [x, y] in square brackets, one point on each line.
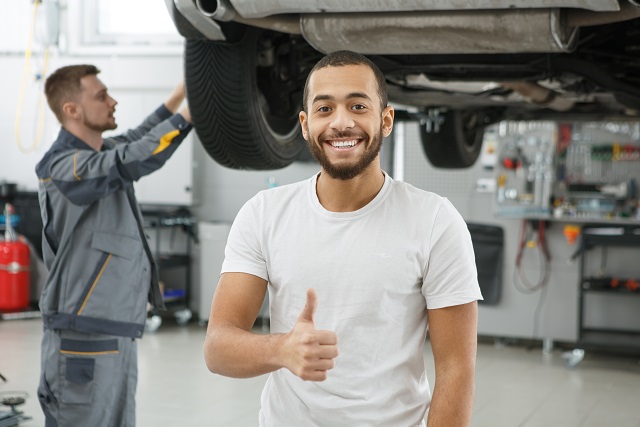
[139, 27]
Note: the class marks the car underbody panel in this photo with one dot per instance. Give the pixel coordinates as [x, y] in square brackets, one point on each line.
[262, 8]
[479, 31]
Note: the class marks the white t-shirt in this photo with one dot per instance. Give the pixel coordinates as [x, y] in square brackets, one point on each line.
[375, 271]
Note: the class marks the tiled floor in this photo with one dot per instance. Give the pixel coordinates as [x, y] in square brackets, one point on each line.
[515, 386]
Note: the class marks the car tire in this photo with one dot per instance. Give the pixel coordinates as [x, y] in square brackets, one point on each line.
[458, 140]
[244, 118]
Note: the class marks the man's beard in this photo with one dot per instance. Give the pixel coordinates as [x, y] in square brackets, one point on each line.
[100, 127]
[347, 171]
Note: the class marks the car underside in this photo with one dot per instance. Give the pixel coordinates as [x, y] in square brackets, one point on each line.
[457, 70]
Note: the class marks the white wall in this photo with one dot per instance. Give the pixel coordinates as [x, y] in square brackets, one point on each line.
[139, 84]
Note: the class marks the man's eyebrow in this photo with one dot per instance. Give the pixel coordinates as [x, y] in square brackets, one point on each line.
[351, 95]
[358, 95]
[322, 98]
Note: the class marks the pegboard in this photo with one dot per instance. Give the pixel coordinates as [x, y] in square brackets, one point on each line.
[603, 152]
[420, 173]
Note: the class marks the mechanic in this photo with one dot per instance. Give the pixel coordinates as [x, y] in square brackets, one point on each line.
[101, 271]
[357, 265]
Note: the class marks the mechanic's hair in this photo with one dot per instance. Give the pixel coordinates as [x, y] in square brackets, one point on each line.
[342, 58]
[64, 85]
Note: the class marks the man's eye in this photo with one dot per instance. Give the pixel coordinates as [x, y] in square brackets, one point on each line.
[323, 109]
[359, 107]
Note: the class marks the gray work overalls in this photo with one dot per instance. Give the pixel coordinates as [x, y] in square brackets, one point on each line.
[101, 271]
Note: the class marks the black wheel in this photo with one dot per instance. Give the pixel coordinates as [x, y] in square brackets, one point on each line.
[458, 139]
[245, 97]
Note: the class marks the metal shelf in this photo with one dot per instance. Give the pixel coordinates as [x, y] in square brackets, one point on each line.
[506, 214]
[613, 236]
[176, 299]
[623, 236]
[603, 285]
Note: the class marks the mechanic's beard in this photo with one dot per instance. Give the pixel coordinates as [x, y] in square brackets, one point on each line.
[348, 171]
[100, 127]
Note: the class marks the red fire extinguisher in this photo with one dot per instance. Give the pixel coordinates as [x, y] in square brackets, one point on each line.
[14, 268]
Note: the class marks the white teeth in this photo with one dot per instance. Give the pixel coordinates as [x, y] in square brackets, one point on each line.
[342, 144]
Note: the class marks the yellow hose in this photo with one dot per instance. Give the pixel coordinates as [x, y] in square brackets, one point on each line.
[40, 102]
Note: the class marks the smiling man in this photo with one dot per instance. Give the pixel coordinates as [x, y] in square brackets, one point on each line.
[357, 266]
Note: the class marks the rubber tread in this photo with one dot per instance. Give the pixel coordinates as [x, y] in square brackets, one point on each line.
[223, 97]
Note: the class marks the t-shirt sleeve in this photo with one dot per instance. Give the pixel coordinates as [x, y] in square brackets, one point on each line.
[243, 253]
[451, 277]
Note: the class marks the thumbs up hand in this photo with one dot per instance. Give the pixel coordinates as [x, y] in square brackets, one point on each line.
[309, 352]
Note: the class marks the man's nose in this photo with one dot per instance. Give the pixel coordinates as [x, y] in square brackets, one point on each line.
[113, 102]
[341, 119]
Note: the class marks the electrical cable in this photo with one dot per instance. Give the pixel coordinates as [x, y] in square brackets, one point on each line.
[522, 284]
[527, 241]
[40, 78]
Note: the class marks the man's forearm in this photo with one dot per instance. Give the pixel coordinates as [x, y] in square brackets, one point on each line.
[234, 352]
[176, 97]
[452, 401]
[453, 336]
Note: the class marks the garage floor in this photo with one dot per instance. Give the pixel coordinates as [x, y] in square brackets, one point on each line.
[515, 386]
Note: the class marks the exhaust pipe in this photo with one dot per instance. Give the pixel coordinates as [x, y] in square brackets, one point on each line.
[220, 10]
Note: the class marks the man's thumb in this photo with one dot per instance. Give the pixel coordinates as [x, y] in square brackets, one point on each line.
[309, 307]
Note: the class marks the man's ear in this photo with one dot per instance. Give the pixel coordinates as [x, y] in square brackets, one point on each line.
[387, 120]
[304, 125]
[71, 110]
